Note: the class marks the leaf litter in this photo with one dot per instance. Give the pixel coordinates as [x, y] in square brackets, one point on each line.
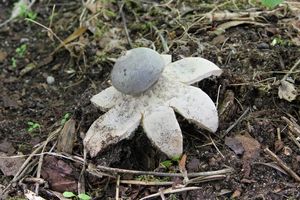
[249, 72]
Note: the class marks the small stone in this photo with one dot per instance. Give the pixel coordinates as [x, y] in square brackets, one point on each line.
[50, 80]
[137, 71]
[263, 45]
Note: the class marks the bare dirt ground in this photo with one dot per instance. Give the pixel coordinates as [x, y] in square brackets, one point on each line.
[76, 45]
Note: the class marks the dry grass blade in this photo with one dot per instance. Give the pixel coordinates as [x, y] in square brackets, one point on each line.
[76, 34]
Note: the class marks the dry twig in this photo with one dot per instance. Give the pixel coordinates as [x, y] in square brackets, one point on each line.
[237, 121]
[275, 158]
[126, 171]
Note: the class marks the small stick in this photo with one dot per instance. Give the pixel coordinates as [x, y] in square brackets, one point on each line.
[218, 96]
[278, 134]
[118, 187]
[295, 128]
[34, 180]
[291, 70]
[275, 158]
[214, 144]
[293, 138]
[205, 179]
[125, 171]
[170, 191]
[146, 183]
[237, 121]
[40, 163]
[162, 196]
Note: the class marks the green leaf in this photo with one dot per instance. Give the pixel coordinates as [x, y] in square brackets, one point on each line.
[176, 158]
[271, 3]
[166, 163]
[83, 196]
[68, 194]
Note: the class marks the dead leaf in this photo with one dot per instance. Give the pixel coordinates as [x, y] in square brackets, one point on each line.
[220, 39]
[182, 168]
[3, 56]
[252, 149]
[60, 175]
[10, 165]
[7, 147]
[251, 146]
[235, 145]
[222, 28]
[66, 139]
[182, 163]
[287, 91]
[77, 33]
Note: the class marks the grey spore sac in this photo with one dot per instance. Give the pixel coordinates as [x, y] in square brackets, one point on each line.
[137, 71]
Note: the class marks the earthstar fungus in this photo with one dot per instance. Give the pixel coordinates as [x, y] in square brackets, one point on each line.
[147, 89]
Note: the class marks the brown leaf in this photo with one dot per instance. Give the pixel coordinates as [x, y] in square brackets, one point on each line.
[60, 175]
[10, 166]
[235, 145]
[182, 163]
[252, 148]
[66, 139]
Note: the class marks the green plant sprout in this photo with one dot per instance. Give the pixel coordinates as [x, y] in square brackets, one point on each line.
[26, 13]
[81, 196]
[21, 50]
[168, 163]
[33, 126]
[280, 42]
[65, 118]
[13, 62]
[271, 3]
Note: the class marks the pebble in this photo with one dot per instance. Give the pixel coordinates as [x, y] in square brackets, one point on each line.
[137, 71]
[263, 45]
[50, 80]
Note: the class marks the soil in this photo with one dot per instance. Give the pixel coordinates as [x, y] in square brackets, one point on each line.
[254, 57]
